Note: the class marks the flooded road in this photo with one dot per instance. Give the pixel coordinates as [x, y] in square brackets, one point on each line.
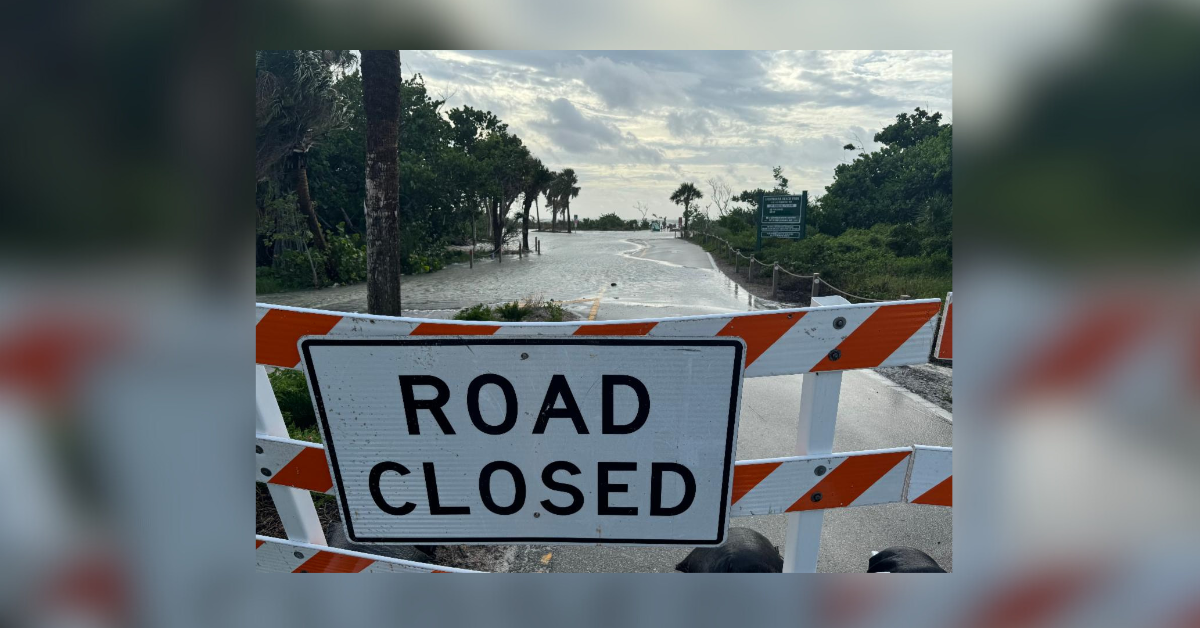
[655, 274]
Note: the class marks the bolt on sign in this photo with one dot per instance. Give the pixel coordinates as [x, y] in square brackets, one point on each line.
[625, 441]
[781, 216]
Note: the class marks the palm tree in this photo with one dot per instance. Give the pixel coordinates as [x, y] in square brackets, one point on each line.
[381, 103]
[684, 195]
[537, 180]
[567, 190]
[295, 106]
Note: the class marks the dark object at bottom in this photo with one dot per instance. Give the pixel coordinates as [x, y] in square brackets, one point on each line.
[745, 551]
[903, 560]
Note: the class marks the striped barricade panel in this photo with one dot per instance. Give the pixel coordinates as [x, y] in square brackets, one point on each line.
[293, 463]
[283, 556]
[931, 480]
[779, 342]
[768, 487]
[945, 339]
[760, 487]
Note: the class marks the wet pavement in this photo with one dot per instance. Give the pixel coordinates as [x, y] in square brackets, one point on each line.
[657, 275]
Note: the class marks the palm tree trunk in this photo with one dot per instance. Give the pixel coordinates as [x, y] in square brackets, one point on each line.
[553, 219]
[539, 213]
[381, 103]
[567, 209]
[525, 225]
[497, 230]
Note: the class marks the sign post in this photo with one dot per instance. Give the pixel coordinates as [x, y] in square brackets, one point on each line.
[781, 216]
[482, 440]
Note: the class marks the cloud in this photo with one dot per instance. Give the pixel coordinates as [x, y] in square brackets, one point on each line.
[685, 124]
[570, 130]
[566, 127]
[630, 86]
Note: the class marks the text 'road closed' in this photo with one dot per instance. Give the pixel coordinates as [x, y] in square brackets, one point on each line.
[509, 440]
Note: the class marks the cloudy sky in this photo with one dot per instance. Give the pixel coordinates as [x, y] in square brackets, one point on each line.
[635, 124]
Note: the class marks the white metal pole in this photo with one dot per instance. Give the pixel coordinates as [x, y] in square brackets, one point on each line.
[818, 415]
[295, 506]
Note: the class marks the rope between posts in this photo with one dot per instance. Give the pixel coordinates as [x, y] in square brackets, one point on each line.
[847, 294]
[785, 271]
[788, 272]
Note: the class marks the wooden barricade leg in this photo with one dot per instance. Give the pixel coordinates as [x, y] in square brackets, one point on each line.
[295, 506]
[818, 415]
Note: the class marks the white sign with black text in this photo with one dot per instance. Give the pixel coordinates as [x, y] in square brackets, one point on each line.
[570, 440]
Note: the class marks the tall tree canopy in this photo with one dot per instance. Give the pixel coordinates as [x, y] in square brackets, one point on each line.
[454, 165]
[907, 181]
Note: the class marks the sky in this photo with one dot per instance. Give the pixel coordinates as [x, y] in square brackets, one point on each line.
[636, 124]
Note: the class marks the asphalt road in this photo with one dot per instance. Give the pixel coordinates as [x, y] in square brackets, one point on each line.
[657, 275]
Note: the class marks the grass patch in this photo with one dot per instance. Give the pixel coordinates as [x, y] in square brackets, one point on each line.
[291, 391]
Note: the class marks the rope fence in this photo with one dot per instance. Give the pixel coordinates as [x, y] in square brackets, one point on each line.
[732, 253]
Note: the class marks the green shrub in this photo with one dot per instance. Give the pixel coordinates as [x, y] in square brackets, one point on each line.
[556, 312]
[294, 270]
[348, 254]
[512, 311]
[291, 391]
[266, 282]
[477, 312]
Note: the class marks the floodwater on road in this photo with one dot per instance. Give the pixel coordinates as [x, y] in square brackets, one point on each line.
[656, 275]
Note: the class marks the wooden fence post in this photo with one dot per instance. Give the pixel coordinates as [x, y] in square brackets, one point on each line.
[816, 290]
[749, 269]
[775, 281]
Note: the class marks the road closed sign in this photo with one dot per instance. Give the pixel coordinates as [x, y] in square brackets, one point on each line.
[575, 440]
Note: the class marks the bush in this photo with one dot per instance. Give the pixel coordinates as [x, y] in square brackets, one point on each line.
[512, 311]
[295, 271]
[534, 309]
[477, 312]
[349, 255]
[266, 282]
[291, 391]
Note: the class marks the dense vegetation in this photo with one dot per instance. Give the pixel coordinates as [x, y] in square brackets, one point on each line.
[883, 227]
[612, 222]
[534, 310]
[461, 171]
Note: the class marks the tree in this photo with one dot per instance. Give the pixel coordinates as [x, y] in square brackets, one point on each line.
[295, 106]
[907, 181]
[910, 130]
[563, 190]
[684, 195]
[642, 208]
[537, 180]
[781, 181]
[505, 158]
[381, 104]
[722, 194]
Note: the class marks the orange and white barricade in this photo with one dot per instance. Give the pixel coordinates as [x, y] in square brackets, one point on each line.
[817, 342]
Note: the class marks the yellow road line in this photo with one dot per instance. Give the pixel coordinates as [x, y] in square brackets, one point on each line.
[596, 304]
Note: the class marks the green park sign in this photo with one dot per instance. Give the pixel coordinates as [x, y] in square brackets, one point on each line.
[781, 216]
